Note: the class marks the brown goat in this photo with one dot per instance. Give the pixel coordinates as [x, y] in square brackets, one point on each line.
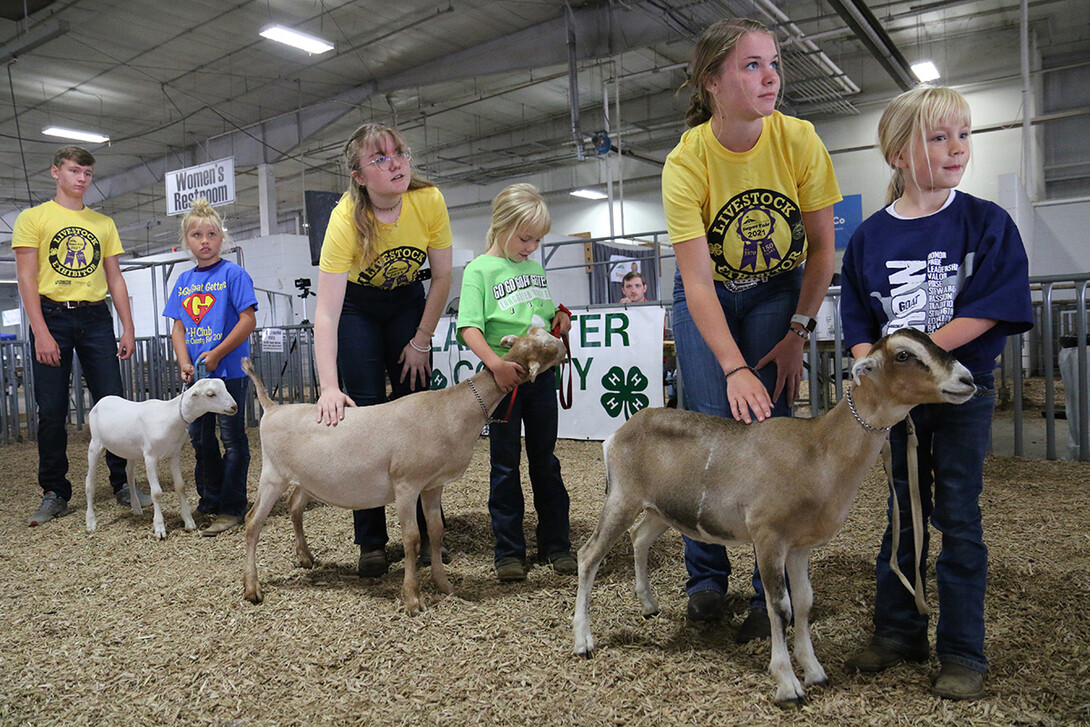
[785, 485]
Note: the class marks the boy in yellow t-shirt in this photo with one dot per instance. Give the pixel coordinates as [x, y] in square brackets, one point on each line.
[66, 262]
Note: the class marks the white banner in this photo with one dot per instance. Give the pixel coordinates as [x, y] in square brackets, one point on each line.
[215, 181]
[616, 366]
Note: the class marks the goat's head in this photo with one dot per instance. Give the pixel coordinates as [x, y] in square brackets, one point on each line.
[536, 351]
[211, 395]
[909, 369]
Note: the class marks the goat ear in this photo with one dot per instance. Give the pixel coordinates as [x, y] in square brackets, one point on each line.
[508, 341]
[863, 367]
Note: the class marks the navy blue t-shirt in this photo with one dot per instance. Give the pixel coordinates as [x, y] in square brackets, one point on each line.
[964, 261]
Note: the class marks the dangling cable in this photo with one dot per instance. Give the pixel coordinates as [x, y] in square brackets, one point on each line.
[18, 133]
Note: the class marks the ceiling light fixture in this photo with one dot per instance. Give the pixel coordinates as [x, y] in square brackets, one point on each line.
[88, 136]
[925, 71]
[587, 194]
[295, 39]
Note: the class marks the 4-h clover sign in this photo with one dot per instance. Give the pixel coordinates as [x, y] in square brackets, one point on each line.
[623, 392]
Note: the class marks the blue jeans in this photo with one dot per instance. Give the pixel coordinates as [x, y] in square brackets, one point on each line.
[221, 478]
[535, 408]
[758, 318]
[374, 328]
[89, 332]
[953, 442]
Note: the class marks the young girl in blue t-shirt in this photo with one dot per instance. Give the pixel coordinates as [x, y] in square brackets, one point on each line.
[213, 309]
[951, 265]
[505, 292]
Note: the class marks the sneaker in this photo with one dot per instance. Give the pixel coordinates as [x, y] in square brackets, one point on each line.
[509, 570]
[705, 606]
[373, 563]
[880, 655]
[222, 523]
[564, 563]
[53, 506]
[756, 626]
[958, 682]
[124, 500]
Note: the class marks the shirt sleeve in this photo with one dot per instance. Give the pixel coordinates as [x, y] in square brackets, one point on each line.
[25, 232]
[339, 245]
[999, 285]
[471, 301]
[173, 307]
[857, 319]
[818, 187]
[685, 193]
[439, 229]
[242, 290]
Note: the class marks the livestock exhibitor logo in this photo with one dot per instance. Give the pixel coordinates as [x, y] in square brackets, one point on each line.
[197, 304]
[75, 252]
[394, 268]
[757, 233]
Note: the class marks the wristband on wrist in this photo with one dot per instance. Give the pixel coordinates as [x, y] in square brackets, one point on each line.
[804, 335]
[740, 368]
[420, 349]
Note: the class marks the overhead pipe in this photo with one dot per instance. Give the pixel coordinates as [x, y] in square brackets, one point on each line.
[871, 33]
[573, 82]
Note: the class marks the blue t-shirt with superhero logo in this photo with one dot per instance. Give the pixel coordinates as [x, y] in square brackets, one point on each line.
[207, 301]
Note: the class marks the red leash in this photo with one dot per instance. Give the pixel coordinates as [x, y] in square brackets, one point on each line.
[565, 401]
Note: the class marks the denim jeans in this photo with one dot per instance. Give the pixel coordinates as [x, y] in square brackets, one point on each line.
[758, 318]
[375, 326]
[535, 408]
[221, 478]
[89, 332]
[953, 441]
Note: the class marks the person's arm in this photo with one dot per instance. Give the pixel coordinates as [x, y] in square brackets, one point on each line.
[46, 350]
[119, 291]
[960, 331]
[745, 392]
[327, 314]
[416, 364]
[247, 322]
[820, 262]
[177, 340]
[508, 374]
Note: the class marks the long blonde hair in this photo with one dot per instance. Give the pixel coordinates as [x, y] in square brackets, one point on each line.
[199, 211]
[363, 215]
[907, 118]
[517, 206]
[716, 43]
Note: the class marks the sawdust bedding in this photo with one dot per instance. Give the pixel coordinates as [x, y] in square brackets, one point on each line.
[117, 628]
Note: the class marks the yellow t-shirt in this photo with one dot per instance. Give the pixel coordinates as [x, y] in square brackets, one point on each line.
[749, 205]
[71, 248]
[402, 247]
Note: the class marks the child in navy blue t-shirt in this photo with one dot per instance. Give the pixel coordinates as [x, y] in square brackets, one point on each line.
[213, 307]
[951, 265]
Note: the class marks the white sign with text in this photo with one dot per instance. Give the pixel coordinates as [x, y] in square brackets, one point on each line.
[214, 181]
[616, 366]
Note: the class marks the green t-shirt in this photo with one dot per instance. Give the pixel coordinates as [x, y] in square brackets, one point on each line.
[503, 298]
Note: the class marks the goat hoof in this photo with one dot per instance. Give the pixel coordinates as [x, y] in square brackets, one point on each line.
[651, 614]
[255, 598]
[796, 703]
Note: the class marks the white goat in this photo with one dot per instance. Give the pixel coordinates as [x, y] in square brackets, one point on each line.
[392, 452]
[151, 430]
[785, 485]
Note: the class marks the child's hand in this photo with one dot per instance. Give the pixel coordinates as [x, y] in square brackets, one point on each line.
[211, 361]
[508, 375]
[417, 366]
[331, 405]
[561, 323]
[187, 372]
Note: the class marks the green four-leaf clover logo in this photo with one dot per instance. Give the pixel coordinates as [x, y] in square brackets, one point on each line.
[623, 392]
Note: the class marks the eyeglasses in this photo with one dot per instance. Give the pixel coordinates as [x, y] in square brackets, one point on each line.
[383, 162]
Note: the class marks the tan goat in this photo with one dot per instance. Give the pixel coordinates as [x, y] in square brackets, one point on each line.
[391, 452]
[785, 485]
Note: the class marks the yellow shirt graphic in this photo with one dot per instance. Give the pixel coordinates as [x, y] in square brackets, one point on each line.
[71, 247]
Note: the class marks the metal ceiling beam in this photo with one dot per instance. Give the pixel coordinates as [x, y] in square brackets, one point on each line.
[871, 34]
[38, 35]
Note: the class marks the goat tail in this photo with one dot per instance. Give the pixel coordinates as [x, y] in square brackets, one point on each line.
[259, 385]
